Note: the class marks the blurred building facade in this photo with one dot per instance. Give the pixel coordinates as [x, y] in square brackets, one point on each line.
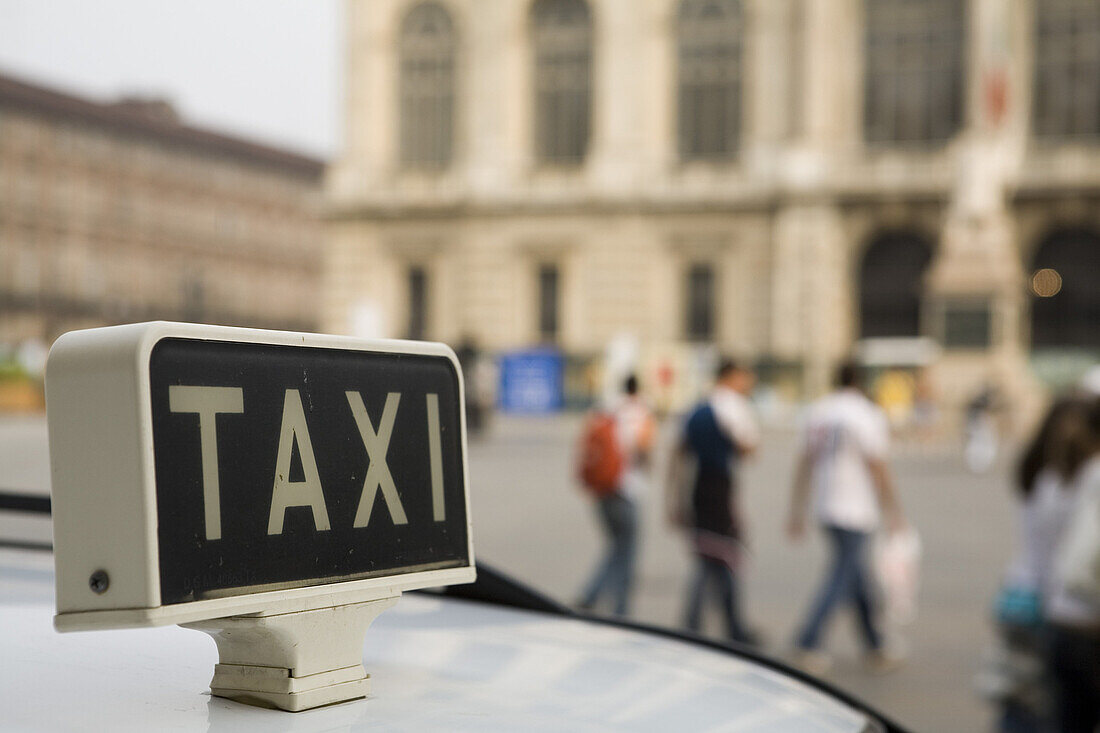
[120, 212]
[793, 180]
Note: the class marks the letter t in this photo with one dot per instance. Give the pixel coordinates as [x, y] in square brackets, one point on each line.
[208, 402]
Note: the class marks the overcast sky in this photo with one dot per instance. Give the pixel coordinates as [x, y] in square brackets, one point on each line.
[264, 69]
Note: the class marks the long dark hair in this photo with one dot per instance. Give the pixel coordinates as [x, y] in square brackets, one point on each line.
[1089, 443]
[1062, 442]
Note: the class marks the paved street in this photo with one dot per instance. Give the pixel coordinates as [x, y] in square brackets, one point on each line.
[530, 519]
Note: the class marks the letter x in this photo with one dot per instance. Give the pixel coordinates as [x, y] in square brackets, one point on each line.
[377, 445]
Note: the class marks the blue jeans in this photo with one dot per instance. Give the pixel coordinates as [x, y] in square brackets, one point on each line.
[847, 581]
[615, 573]
[717, 574]
[1016, 718]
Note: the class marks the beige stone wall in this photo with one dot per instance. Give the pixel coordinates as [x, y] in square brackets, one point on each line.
[101, 226]
[785, 223]
[619, 273]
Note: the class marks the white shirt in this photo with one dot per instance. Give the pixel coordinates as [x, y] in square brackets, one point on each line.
[734, 414]
[632, 420]
[843, 432]
[1043, 520]
[1062, 605]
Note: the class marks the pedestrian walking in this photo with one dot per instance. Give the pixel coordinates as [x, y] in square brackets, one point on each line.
[1072, 606]
[614, 460]
[718, 434]
[843, 471]
[982, 440]
[470, 359]
[1014, 673]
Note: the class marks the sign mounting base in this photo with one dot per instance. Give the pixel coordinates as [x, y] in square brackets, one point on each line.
[293, 661]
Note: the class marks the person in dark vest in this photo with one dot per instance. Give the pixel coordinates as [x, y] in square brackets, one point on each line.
[717, 435]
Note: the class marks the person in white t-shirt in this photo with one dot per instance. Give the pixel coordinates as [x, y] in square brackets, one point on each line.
[844, 475]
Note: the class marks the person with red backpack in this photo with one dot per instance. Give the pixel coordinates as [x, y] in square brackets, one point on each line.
[612, 459]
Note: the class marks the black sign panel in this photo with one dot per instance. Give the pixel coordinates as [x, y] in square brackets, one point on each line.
[287, 466]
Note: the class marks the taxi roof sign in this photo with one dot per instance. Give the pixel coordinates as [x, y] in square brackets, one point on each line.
[204, 472]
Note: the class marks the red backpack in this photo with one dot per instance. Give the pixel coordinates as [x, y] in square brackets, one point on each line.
[600, 460]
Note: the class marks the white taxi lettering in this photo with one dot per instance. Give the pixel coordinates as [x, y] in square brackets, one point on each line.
[377, 445]
[286, 493]
[435, 456]
[208, 402]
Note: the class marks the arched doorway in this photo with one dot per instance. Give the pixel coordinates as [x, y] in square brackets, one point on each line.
[890, 282]
[1065, 289]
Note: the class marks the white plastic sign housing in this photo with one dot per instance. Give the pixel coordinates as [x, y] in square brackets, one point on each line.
[203, 472]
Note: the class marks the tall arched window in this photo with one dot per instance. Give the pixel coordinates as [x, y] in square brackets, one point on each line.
[709, 96]
[1065, 313]
[562, 38]
[913, 73]
[891, 279]
[1067, 68]
[427, 84]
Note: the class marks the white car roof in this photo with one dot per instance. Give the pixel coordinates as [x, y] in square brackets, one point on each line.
[436, 663]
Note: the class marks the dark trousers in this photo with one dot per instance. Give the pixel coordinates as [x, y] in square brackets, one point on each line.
[719, 576]
[1073, 660]
[1017, 718]
[615, 573]
[847, 581]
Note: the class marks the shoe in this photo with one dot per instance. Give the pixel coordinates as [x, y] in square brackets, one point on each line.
[883, 661]
[812, 662]
[750, 638]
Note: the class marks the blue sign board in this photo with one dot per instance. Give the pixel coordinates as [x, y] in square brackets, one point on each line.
[532, 382]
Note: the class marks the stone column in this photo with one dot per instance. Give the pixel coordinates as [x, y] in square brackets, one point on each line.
[978, 266]
[811, 303]
[811, 289]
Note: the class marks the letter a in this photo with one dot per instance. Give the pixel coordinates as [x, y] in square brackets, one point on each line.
[286, 493]
[378, 475]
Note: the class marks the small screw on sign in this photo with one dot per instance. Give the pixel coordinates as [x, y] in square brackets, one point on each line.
[99, 582]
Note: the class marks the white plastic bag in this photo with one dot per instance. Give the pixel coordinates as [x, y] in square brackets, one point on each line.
[897, 565]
